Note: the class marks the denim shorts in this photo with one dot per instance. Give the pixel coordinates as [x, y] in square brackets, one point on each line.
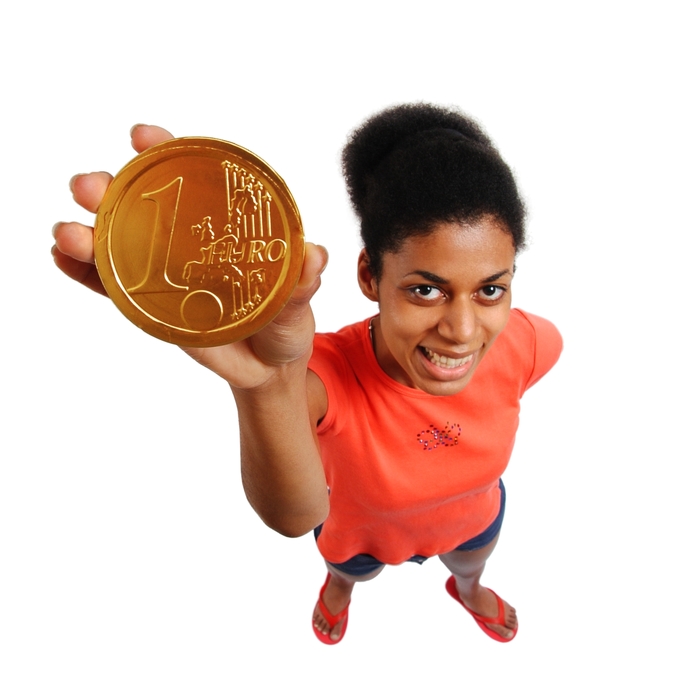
[363, 564]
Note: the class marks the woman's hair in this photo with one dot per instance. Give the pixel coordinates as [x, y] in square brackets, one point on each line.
[413, 166]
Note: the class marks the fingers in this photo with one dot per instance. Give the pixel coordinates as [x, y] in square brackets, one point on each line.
[89, 189]
[74, 254]
[75, 240]
[144, 136]
[85, 273]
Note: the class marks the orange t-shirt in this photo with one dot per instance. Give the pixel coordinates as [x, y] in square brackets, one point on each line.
[411, 473]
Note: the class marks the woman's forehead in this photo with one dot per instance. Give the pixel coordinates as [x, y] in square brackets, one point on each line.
[451, 242]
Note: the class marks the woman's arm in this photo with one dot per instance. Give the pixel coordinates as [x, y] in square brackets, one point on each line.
[279, 401]
[280, 462]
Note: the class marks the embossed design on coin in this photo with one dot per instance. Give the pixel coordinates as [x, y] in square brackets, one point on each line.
[199, 242]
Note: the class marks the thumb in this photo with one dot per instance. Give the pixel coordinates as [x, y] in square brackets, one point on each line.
[315, 261]
[290, 335]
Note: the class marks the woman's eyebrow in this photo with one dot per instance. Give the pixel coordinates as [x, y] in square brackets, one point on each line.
[493, 278]
[429, 276]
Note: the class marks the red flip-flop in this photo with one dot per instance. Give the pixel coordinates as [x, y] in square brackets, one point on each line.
[332, 620]
[482, 621]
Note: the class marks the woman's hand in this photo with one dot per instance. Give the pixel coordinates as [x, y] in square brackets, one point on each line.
[287, 340]
[248, 364]
[74, 251]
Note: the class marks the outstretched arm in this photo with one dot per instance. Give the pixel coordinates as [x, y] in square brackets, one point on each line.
[281, 466]
[279, 401]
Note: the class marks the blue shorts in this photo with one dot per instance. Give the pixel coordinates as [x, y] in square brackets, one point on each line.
[363, 564]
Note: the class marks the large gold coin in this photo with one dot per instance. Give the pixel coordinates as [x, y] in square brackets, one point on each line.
[199, 242]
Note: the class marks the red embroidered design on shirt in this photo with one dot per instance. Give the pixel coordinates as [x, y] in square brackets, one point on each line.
[433, 437]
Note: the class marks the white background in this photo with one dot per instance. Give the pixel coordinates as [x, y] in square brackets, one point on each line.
[131, 564]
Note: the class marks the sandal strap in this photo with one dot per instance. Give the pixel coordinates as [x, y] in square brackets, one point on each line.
[332, 620]
[500, 619]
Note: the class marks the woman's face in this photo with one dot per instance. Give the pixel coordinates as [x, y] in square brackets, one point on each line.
[443, 299]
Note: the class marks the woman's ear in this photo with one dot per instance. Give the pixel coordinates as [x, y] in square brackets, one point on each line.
[365, 278]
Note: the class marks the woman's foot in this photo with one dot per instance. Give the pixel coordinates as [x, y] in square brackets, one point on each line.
[489, 610]
[335, 596]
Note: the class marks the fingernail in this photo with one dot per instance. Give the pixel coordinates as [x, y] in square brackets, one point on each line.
[54, 227]
[73, 179]
[134, 127]
[325, 264]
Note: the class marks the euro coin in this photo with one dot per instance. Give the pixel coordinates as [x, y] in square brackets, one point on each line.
[199, 242]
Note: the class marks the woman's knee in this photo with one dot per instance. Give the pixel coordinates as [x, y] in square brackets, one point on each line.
[467, 562]
[355, 578]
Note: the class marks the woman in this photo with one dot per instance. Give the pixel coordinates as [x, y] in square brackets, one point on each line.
[411, 415]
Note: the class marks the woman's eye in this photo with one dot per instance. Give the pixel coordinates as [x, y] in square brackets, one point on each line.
[426, 291]
[491, 292]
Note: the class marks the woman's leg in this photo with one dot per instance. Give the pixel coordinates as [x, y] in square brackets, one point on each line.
[467, 567]
[337, 596]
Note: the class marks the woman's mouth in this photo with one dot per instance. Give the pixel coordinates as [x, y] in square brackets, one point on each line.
[444, 361]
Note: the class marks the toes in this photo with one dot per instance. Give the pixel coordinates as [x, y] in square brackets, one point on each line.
[505, 632]
[320, 622]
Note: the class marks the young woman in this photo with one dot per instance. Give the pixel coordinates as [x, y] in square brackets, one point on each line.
[411, 415]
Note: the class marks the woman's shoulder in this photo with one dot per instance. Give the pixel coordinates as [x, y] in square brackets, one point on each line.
[533, 339]
[340, 348]
[343, 347]
[544, 331]
[335, 359]
[346, 337]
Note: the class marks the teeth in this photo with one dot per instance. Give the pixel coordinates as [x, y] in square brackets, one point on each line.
[448, 362]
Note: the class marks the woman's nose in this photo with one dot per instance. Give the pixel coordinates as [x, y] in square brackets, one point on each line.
[458, 323]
